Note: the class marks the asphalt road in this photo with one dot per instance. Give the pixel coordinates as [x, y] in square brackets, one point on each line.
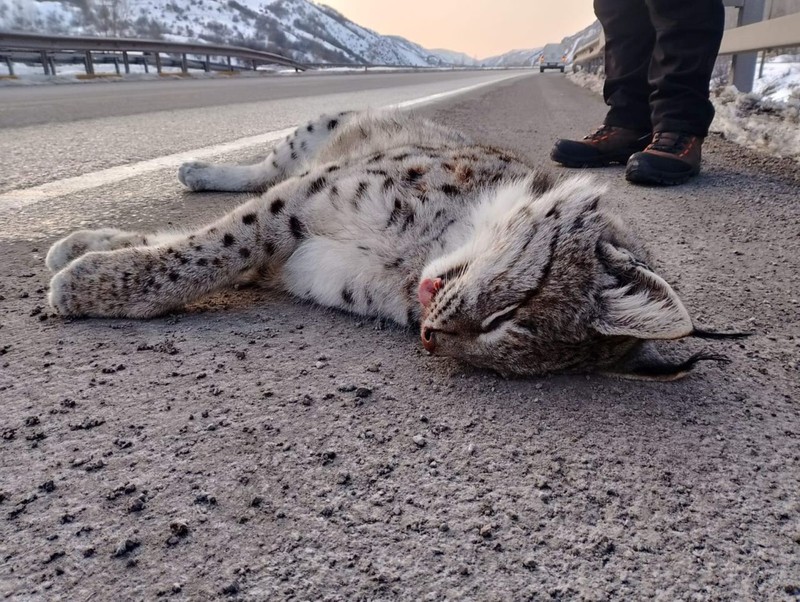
[55, 132]
[253, 448]
[32, 105]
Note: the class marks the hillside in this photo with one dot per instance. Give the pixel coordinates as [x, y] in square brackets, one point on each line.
[514, 58]
[529, 57]
[456, 58]
[302, 30]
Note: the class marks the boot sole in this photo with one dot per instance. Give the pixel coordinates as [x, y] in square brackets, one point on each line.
[568, 161]
[638, 174]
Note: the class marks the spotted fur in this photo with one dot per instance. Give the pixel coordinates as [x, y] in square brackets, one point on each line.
[393, 216]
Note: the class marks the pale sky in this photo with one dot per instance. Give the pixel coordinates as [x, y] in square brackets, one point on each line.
[481, 28]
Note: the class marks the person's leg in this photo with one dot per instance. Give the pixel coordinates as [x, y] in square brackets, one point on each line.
[630, 39]
[688, 35]
[626, 130]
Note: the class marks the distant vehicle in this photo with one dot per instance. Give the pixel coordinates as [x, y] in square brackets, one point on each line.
[554, 56]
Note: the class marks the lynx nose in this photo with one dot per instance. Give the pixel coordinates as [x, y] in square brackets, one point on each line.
[428, 339]
[427, 290]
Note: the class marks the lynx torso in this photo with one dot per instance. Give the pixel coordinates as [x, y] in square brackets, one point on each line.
[379, 218]
[393, 216]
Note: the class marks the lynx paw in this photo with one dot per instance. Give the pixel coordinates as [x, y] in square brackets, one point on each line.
[81, 242]
[69, 293]
[120, 283]
[194, 175]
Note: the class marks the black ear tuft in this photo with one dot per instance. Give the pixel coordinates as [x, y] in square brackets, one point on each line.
[646, 363]
[707, 334]
[667, 371]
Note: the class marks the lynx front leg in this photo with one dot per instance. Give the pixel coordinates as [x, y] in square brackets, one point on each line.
[284, 161]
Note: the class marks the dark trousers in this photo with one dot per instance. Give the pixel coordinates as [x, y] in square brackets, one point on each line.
[659, 58]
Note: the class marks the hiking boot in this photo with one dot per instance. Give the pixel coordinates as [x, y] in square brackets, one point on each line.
[672, 158]
[608, 145]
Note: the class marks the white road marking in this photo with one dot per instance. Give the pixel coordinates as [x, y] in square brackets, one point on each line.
[23, 197]
[16, 199]
[442, 95]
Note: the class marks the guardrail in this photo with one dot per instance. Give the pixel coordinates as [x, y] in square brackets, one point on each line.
[782, 32]
[590, 55]
[113, 58]
[743, 42]
[124, 52]
[48, 47]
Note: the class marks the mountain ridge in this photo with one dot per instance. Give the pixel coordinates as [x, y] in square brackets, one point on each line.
[299, 29]
[305, 31]
[528, 57]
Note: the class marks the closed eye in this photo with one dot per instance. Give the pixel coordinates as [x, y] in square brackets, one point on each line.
[499, 317]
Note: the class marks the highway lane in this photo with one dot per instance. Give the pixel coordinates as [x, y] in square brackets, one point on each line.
[32, 105]
[77, 129]
[554, 488]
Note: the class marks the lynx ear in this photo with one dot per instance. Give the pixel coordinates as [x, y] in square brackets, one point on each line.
[640, 304]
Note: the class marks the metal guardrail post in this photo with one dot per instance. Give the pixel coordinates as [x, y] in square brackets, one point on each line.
[36, 43]
[116, 65]
[89, 63]
[744, 64]
[184, 66]
[158, 62]
[53, 65]
[144, 62]
[229, 63]
[10, 66]
[126, 62]
[45, 63]
[207, 64]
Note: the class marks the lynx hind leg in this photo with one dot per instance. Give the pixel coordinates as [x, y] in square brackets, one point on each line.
[150, 279]
[66, 250]
[286, 159]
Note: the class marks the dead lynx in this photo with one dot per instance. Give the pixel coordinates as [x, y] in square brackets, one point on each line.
[391, 215]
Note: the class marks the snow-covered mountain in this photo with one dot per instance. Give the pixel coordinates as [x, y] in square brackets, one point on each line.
[456, 58]
[515, 58]
[300, 29]
[530, 57]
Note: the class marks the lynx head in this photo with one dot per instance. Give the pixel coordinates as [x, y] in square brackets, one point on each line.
[550, 282]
